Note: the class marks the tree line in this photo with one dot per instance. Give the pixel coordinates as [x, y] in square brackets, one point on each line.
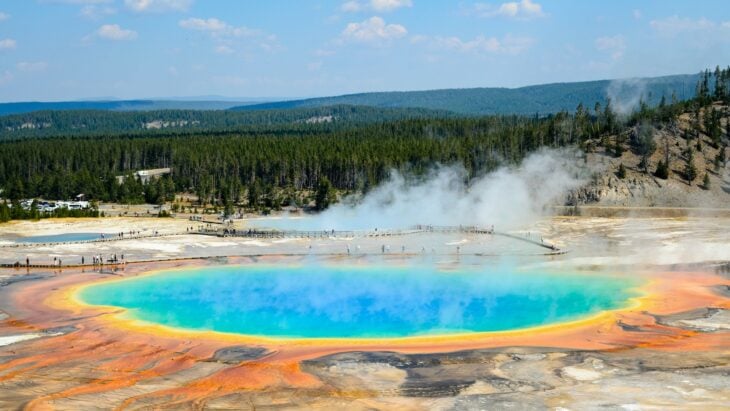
[49, 123]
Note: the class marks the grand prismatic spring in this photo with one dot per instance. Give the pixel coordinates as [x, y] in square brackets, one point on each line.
[405, 319]
[358, 302]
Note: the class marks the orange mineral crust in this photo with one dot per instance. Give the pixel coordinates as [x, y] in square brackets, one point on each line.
[135, 363]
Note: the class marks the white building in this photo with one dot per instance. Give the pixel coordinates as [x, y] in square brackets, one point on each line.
[145, 175]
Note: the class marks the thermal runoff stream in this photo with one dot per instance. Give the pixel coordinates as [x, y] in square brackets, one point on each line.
[321, 301]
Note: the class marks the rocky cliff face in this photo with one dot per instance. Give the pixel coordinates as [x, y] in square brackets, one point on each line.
[641, 189]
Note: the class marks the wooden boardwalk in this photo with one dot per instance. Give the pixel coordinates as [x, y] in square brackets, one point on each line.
[352, 234]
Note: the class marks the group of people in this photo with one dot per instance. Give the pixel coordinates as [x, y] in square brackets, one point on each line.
[384, 249]
[120, 235]
[99, 260]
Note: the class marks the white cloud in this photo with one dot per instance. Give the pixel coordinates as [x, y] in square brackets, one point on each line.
[114, 32]
[674, 25]
[389, 5]
[373, 30]
[615, 45]
[352, 6]
[157, 6]
[314, 66]
[95, 12]
[4, 16]
[217, 27]
[481, 44]
[637, 14]
[7, 44]
[203, 24]
[225, 34]
[32, 66]
[522, 10]
[381, 6]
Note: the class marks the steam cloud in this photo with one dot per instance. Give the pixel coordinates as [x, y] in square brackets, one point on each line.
[625, 94]
[509, 197]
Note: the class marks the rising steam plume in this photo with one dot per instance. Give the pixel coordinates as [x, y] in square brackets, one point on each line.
[509, 197]
[626, 94]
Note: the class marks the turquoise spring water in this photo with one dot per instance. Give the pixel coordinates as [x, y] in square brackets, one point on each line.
[359, 302]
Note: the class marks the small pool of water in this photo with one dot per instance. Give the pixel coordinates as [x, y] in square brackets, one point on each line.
[359, 302]
[61, 238]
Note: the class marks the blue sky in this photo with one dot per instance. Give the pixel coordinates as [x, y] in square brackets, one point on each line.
[75, 49]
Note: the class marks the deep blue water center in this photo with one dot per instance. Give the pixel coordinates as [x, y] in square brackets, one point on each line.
[358, 302]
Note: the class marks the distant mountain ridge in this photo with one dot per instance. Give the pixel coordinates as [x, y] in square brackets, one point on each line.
[538, 99]
[120, 105]
[541, 99]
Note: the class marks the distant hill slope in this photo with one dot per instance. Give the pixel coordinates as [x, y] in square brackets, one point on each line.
[121, 105]
[543, 99]
[97, 122]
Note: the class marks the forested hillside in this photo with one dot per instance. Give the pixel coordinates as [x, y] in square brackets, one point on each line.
[272, 166]
[153, 117]
[541, 99]
[95, 122]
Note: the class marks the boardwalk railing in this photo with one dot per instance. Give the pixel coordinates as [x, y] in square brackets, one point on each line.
[417, 229]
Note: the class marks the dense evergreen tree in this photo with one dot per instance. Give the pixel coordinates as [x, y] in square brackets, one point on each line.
[662, 170]
[645, 144]
[325, 194]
